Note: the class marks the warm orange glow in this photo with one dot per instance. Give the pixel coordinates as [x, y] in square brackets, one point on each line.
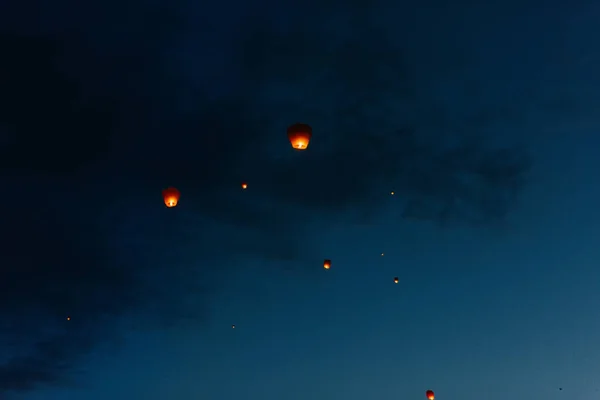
[299, 135]
[327, 264]
[392, 193]
[244, 186]
[396, 280]
[430, 395]
[68, 318]
[171, 197]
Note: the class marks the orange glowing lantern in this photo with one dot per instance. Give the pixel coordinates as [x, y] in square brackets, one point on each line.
[244, 185]
[171, 196]
[327, 264]
[429, 394]
[299, 135]
[68, 318]
[396, 280]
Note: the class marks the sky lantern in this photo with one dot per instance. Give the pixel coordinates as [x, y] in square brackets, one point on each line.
[327, 264]
[429, 394]
[396, 280]
[299, 135]
[171, 196]
[244, 185]
[232, 326]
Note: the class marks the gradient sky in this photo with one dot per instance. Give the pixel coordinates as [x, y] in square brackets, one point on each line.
[482, 119]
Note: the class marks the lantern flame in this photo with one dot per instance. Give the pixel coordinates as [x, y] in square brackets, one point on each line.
[327, 264]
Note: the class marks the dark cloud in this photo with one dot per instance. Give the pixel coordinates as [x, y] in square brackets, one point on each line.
[94, 130]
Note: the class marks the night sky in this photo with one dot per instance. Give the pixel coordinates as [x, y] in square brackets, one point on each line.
[482, 120]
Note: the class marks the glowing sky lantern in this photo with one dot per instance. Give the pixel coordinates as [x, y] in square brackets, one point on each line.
[327, 264]
[396, 280]
[171, 196]
[429, 394]
[244, 185]
[299, 135]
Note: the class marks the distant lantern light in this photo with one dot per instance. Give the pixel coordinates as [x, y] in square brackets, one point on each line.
[171, 197]
[68, 318]
[392, 192]
[244, 185]
[232, 326]
[430, 395]
[327, 264]
[382, 254]
[396, 280]
[299, 135]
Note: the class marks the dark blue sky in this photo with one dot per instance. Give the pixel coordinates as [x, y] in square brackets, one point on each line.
[482, 119]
